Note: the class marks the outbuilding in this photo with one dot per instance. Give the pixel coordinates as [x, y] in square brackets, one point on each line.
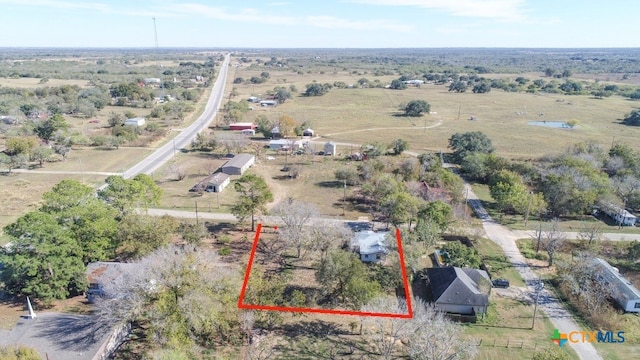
[139, 121]
[242, 126]
[372, 246]
[218, 182]
[308, 132]
[330, 148]
[239, 164]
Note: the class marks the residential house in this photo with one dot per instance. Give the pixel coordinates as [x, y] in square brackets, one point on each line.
[330, 148]
[372, 246]
[624, 293]
[104, 277]
[414, 82]
[284, 144]
[239, 164]
[460, 290]
[620, 215]
[139, 121]
[242, 126]
[217, 182]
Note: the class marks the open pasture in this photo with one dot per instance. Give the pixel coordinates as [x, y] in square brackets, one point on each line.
[503, 116]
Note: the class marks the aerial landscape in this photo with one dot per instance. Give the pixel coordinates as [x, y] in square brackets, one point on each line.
[357, 179]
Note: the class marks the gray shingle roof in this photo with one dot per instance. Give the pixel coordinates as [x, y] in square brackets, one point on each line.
[454, 285]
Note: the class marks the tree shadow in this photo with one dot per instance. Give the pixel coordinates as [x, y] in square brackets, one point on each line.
[71, 332]
[314, 329]
[335, 184]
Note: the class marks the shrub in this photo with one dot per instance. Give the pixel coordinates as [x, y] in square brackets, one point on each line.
[224, 251]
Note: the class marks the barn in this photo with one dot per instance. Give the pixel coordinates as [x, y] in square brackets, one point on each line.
[239, 164]
[242, 126]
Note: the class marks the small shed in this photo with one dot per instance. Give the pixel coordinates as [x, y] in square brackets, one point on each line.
[372, 246]
[239, 164]
[242, 126]
[139, 121]
[248, 132]
[308, 132]
[218, 182]
[330, 148]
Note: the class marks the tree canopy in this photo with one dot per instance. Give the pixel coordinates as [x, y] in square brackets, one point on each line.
[633, 118]
[467, 143]
[416, 108]
[254, 195]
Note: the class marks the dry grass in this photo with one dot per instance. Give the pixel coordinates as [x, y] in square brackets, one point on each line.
[32, 83]
[343, 110]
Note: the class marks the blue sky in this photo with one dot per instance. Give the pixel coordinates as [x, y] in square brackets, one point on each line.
[320, 24]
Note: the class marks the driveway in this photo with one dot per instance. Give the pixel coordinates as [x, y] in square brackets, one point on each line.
[58, 336]
[506, 239]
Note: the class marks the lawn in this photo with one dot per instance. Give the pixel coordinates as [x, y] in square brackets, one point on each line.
[497, 263]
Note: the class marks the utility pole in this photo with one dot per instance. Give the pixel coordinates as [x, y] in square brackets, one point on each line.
[539, 236]
[539, 287]
[196, 212]
[344, 197]
[466, 201]
[622, 210]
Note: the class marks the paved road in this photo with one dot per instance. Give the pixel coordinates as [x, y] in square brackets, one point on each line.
[506, 239]
[167, 151]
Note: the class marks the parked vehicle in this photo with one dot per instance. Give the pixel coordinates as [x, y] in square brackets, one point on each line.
[500, 283]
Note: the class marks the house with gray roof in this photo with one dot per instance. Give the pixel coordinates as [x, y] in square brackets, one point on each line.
[625, 294]
[372, 246]
[460, 290]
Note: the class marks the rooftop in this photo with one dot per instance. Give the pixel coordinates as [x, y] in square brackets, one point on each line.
[372, 242]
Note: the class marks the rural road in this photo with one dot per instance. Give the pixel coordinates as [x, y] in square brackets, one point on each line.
[506, 239]
[166, 151]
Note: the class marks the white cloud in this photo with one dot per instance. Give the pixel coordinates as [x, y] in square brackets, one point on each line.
[59, 4]
[511, 10]
[331, 22]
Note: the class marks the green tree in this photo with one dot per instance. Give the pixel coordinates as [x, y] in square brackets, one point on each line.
[45, 261]
[46, 129]
[127, 194]
[315, 89]
[345, 279]
[397, 85]
[398, 146]
[464, 144]
[92, 222]
[41, 154]
[438, 212]
[350, 175]
[461, 255]
[458, 86]
[282, 94]
[416, 108]
[400, 208]
[20, 145]
[18, 353]
[632, 118]
[140, 235]
[254, 195]
[481, 88]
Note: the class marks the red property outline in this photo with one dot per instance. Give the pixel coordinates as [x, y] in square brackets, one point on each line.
[405, 281]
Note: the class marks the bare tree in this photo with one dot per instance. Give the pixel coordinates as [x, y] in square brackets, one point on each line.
[553, 239]
[178, 173]
[325, 235]
[585, 279]
[295, 215]
[232, 142]
[247, 320]
[436, 337]
[262, 348]
[591, 234]
[386, 333]
[428, 335]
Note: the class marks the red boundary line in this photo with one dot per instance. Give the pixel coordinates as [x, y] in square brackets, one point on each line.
[405, 281]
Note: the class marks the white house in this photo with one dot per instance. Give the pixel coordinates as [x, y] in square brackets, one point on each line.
[239, 164]
[139, 121]
[625, 294]
[266, 103]
[620, 215]
[218, 182]
[372, 246]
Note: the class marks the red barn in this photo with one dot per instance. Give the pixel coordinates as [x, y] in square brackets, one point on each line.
[242, 126]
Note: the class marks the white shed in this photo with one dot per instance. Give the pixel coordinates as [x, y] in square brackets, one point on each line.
[330, 148]
[139, 121]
